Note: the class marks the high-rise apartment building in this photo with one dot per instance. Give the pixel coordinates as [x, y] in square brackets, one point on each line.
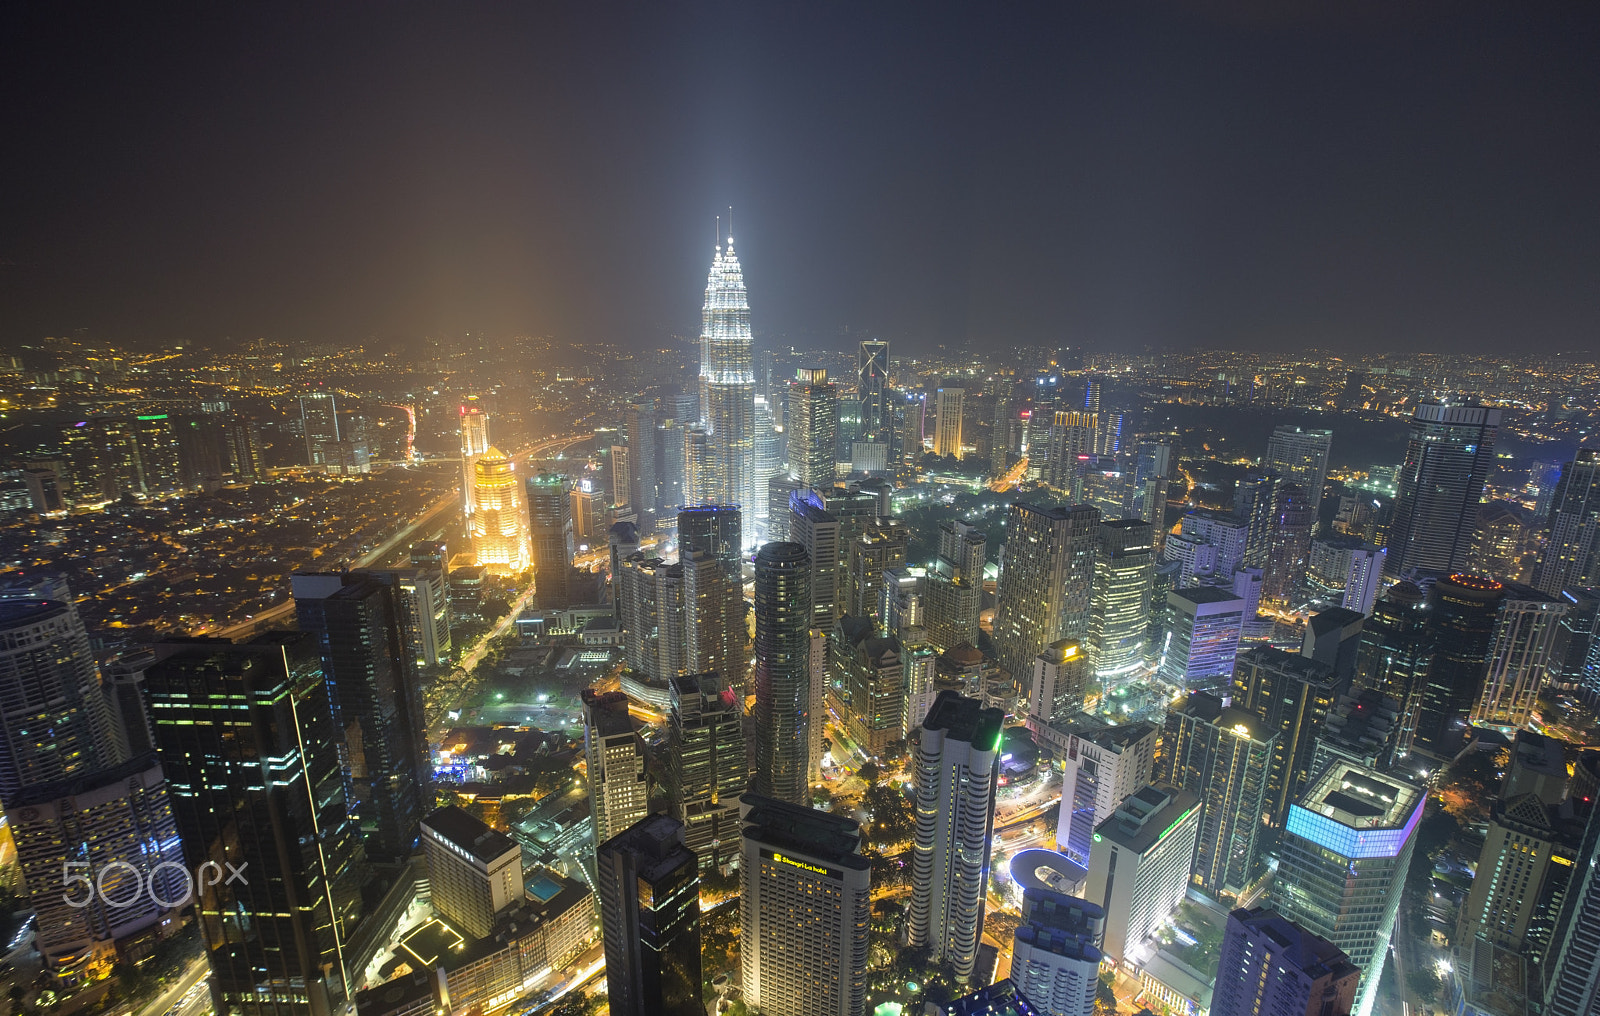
[1342, 863]
[619, 786]
[1292, 696]
[1199, 637]
[783, 673]
[1210, 545]
[377, 701]
[1526, 655]
[1300, 456]
[813, 428]
[955, 586]
[882, 547]
[727, 389]
[1119, 617]
[1055, 952]
[869, 670]
[474, 872]
[1572, 965]
[958, 766]
[55, 723]
[712, 557]
[220, 712]
[1103, 765]
[1225, 756]
[499, 523]
[650, 919]
[1269, 964]
[551, 537]
[1072, 435]
[1571, 557]
[1449, 456]
[708, 766]
[1046, 580]
[1139, 864]
[947, 435]
[1061, 676]
[1462, 611]
[805, 905]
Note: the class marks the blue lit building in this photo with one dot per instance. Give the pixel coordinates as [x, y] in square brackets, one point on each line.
[1346, 847]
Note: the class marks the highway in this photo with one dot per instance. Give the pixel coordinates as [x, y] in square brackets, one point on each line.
[177, 1000]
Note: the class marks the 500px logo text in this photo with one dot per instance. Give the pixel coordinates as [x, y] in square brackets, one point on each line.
[208, 874]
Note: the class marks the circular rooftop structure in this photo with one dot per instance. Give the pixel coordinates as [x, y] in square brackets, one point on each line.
[1038, 868]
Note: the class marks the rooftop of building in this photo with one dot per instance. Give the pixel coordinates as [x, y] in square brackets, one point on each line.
[1361, 798]
[607, 712]
[1147, 816]
[469, 834]
[965, 720]
[1002, 998]
[1303, 668]
[1205, 595]
[656, 841]
[1312, 954]
[833, 838]
[1333, 619]
[19, 612]
[1537, 753]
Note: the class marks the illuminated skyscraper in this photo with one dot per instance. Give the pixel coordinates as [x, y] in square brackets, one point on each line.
[804, 908]
[727, 386]
[1120, 615]
[1441, 481]
[813, 428]
[1046, 581]
[1395, 654]
[1343, 860]
[947, 436]
[1291, 695]
[958, 764]
[499, 525]
[1139, 864]
[1525, 657]
[872, 389]
[619, 789]
[1225, 756]
[474, 442]
[707, 765]
[955, 587]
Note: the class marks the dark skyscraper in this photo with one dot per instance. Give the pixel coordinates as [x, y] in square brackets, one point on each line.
[550, 527]
[650, 920]
[1440, 484]
[1395, 654]
[783, 674]
[1294, 514]
[872, 390]
[1571, 557]
[247, 737]
[708, 765]
[1462, 612]
[1292, 696]
[377, 703]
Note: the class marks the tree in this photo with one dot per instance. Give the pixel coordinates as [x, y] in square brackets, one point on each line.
[870, 774]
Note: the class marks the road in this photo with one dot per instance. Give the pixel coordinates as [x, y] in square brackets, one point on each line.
[173, 1000]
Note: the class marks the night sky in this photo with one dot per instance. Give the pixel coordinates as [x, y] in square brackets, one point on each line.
[1215, 174]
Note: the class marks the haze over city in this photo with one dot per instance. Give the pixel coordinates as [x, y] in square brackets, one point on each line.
[800, 510]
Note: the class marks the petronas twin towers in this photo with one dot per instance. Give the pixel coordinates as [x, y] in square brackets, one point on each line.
[727, 390]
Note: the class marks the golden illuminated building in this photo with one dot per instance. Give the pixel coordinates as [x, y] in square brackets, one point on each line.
[499, 525]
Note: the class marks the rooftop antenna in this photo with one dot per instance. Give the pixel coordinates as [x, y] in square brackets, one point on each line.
[730, 225]
[718, 237]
